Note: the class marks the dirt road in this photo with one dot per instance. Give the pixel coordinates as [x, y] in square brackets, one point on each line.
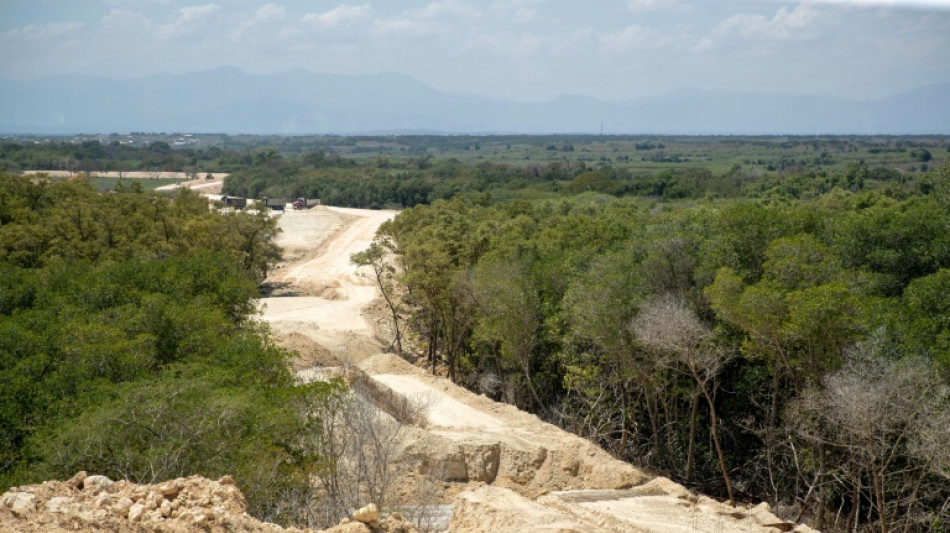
[501, 468]
[326, 294]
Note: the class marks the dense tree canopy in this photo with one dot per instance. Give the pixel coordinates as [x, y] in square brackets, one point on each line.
[127, 344]
[779, 333]
[580, 310]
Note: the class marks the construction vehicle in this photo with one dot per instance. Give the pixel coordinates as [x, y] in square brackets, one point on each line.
[236, 203]
[305, 203]
[275, 204]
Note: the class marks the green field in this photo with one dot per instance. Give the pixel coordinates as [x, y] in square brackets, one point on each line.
[638, 154]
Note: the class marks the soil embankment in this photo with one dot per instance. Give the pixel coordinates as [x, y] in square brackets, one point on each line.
[500, 468]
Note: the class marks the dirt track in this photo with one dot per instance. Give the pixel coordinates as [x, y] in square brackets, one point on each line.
[328, 293]
[509, 470]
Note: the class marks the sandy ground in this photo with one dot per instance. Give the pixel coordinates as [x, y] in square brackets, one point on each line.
[136, 174]
[212, 186]
[503, 469]
[202, 184]
[442, 410]
[330, 292]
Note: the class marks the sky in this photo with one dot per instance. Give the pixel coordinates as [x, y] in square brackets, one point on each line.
[525, 50]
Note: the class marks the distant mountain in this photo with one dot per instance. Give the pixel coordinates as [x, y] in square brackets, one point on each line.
[227, 100]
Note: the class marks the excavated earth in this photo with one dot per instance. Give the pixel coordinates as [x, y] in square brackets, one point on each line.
[185, 505]
[499, 468]
[495, 467]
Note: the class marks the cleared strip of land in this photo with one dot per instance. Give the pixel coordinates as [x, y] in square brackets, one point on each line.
[132, 174]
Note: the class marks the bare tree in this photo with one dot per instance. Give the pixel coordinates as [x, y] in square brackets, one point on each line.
[887, 420]
[668, 326]
[357, 439]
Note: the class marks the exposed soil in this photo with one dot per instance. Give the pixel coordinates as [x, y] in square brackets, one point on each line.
[501, 468]
[186, 505]
[134, 174]
[329, 291]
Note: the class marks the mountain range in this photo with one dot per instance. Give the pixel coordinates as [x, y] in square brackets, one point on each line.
[227, 100]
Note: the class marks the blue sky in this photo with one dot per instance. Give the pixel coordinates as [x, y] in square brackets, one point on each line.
[529, 50]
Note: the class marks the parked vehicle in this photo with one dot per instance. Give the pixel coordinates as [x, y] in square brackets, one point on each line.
[236, 203]
[276, 204]
[305, 203]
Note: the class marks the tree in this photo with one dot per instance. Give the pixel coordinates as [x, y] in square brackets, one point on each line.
[375, 258]
[667, 325]
[878, 413]
[510, 316]
[355, 438]
[924, 320]
[607, 370]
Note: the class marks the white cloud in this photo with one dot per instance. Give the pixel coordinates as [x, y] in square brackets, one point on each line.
[640, 6]
[516, 10]
[136, 2]
[630, 36]
[799, 23]
[267, 12]
[186, 20]
[130, 24]
[402, 25]
[923, 4]
[263, 14]
[341, 15]
[444, 8]
[527, 45]
[43, 31]
[433, 18]
[635, 36]
[123, 17]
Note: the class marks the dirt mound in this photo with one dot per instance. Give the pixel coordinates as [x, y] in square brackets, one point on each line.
[96, 503]
[307, 352]
[503, 511]
[387, 363]
[185, 505]
[659, 506]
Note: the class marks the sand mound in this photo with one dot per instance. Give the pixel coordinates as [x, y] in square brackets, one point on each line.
[308, 352]
[186, 505]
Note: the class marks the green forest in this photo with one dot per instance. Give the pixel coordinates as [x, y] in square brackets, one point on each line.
[796, 350]
[755, 334]
[128, 348]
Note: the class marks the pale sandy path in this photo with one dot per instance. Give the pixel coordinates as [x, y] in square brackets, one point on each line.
[134, 174]
[442, 410]
[480, 439]
[317, 244]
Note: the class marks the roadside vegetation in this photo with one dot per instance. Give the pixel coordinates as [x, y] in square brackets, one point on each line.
[781, 347]
[757, 318]
[128, 345]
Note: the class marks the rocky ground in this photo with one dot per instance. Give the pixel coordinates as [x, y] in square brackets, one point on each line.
[186, 505]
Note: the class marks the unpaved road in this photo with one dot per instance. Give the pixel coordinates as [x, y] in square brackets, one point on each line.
[133, 174]
[328, 292]
[510, 471]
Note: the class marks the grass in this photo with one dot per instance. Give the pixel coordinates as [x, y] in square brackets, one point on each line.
[648, 155]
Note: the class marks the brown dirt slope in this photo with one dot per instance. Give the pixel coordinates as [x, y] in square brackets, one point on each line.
[185, 505]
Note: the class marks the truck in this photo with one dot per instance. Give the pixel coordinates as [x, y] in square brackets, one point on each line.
[236, 203]
[305, 203]
[275, 204]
